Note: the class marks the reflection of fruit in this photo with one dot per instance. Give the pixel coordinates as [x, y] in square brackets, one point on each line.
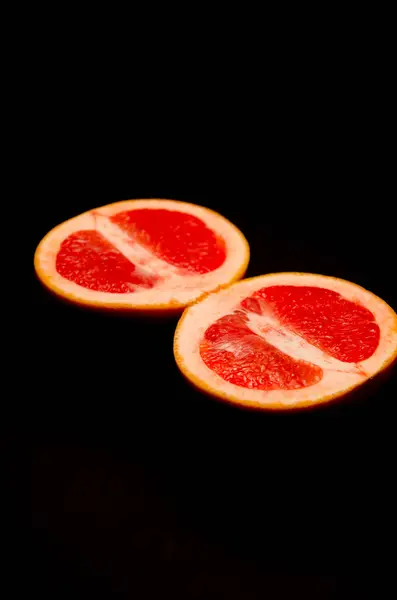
[146, 255]
[285, 340]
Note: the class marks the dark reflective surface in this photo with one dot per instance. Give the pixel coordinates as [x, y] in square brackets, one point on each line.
[141, 487]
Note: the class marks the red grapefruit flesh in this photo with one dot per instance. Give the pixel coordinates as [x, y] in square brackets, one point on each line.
[237, 354]
[285, 340]
[344, 329]
[88, 259]
[148, 255]
[181, 239]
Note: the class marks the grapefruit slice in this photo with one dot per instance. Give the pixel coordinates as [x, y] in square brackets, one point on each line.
[285, 340]
[147, 255]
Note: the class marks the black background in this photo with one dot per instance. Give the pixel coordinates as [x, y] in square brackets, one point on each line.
[131, 483]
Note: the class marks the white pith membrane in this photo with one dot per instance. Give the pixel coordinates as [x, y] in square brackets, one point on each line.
[338, 377]
[176, 287]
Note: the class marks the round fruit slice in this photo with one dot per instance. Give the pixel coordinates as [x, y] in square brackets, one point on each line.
[141, 255]
[285, 340]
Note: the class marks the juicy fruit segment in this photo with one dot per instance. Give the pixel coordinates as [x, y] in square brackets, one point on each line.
[180, 239]
[88, 259]
[242, 357]
[342, 329]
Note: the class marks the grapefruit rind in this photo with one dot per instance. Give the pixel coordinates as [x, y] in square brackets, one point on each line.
[153, 301]
[205, 380]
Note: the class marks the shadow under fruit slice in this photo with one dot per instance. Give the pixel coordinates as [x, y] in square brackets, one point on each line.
[141, 255]
[285, 340]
